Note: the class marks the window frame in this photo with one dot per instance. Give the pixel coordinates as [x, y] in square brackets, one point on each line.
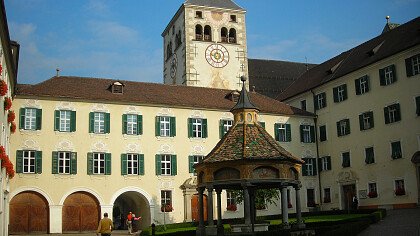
[323, 133]
[165, 198]
[369, 155]
[29, 162]
[362, 85]
[412, 65]
[30, 119]
[366, 121]
[98, 159]
[396, 151]
[343, 127]
[320, 101]
[346, 159]
[392, 113]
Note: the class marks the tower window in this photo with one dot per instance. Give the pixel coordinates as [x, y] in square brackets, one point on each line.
[224, 35]
[207, 33]
[199, 14]
[232, 35]
[233, 18]
[198, 32]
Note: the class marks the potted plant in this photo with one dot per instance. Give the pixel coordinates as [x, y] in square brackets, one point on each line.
[13, 127]
[11, 116]
[372, 194]
[3, 88]
[231, 207]
[399, 191]
[167, 208]
[7, 103]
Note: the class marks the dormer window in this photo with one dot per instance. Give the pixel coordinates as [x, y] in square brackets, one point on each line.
[233, 96]
[233, 18]
[117, 87]
[375, 49]
[199, 14]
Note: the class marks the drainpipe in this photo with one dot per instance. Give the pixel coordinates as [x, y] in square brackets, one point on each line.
[317, 152]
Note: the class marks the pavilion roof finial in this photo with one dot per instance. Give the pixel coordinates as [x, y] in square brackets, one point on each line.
[244, 102]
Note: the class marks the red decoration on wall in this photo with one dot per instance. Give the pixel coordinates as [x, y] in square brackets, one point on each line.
[3, 88]
[6, 163]
[7, 103]
[1, 69]
[13, 127]
[11, 116]
[3, 155]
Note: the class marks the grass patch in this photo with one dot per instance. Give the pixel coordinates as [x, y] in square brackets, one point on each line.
[321, 218]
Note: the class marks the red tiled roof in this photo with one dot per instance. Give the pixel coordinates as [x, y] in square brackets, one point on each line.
[152, 94]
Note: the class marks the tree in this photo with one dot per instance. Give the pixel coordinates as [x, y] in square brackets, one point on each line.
[263, 197]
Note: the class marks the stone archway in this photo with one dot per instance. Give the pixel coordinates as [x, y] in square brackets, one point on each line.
[81, 213]
[29, 213]
[131, 201]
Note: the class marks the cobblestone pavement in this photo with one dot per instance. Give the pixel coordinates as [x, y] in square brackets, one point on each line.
[403, 222]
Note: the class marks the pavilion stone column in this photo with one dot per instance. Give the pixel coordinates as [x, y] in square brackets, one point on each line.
[200, 228]
[247, 206]
[284, 208]
[210, 206]
[299, 219]
[220, 229]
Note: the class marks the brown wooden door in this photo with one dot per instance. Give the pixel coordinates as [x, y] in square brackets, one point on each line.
[349, 191]
[80, 213]
[194, 207]
[28, 214]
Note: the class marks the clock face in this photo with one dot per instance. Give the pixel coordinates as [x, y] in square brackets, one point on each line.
[217, 55]
[174, 65]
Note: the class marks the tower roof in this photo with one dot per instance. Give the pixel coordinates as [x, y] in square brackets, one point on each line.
[243, 101]
[226, 4]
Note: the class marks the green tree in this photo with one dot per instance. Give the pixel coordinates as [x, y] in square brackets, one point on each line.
[263, 197]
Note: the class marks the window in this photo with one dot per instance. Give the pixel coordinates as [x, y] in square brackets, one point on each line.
[132, 124]
[169, 50]
[323, 133]
[117, 88]
[343, 127]
[366, 120]
[28, 161]
[325, 163]
[207, 33]
[412, 65]
[372, 190]
[99, 122]
[224, 127]
[230, 201]
[418, 105]
[192, 160]
[340, 93]
[132, 164]
[64, 163]
[392, 113]
[307, 133]
[30, 119]
[399, 187]
[165, 126]
[232, 35]
[199, 14]
[303, 105]
[320, 101]
[362, 85]
[387, 75]
[309, 168]
[310, 197]
[345, 156]
[396, 152]
[65, 121]
[99, 163]
[197, 128]
[198, 32]
[327, 195]
[282, 132]
[233, 18]
[166, 200]
[369, 155]
[166, 165]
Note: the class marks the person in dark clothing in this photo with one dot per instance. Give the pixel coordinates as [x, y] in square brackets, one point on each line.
[355, 202]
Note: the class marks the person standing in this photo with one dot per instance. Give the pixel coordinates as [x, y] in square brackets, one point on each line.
[105, 226]
[130, 223]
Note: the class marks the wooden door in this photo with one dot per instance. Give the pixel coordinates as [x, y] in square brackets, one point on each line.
[349, 191]
[29, 213]
[194, 208]
[80, 213]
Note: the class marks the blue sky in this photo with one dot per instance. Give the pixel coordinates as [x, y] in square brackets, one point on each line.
[121, 39]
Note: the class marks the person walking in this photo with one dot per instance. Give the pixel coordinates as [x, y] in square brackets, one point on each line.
[129, 222]
[136, 225]
[105, 226]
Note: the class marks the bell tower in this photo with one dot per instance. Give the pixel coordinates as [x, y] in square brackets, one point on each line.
[205, 45]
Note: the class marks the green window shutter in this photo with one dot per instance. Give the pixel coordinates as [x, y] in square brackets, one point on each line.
[323, 133]
[108, 163]
[72, 121]
[107, 123]
[312, 130]
[91, 122]
[367, 83]
[173, 165]
[157, 126]
[204, 128]
[301, 134]
[22, 118]
[357, 86]
[38, 119]
[90, 163]
[124, 124]
[347, 126]
[320, 160]
[190, 128]
[316, 107]
[54, 163]
[139, 124]
[329, 162]
[123, 164]
[338, 129]
[288, 133]
[324, 96]
[190, 164]
[158, 164]
[386, 115]
[344, 91]
[141, 164]
[315, 166]
[262, 124]
[38, 162]
[19, 161]
[382, 77]
[304, 167]
[56, 120]
[372, 123]
[172, 124]
[361, 123]
[394, 72]
[221, 131]
[398, 113]
[73, 163]
[335, 94]
[418, 106]
[408, 67]
[277, 132]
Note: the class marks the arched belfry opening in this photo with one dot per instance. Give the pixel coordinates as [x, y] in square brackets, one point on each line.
[247, 158]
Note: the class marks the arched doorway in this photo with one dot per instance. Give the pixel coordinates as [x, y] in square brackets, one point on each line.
[134, 202]
[29, 213]
[81, 213]
[194, 207]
